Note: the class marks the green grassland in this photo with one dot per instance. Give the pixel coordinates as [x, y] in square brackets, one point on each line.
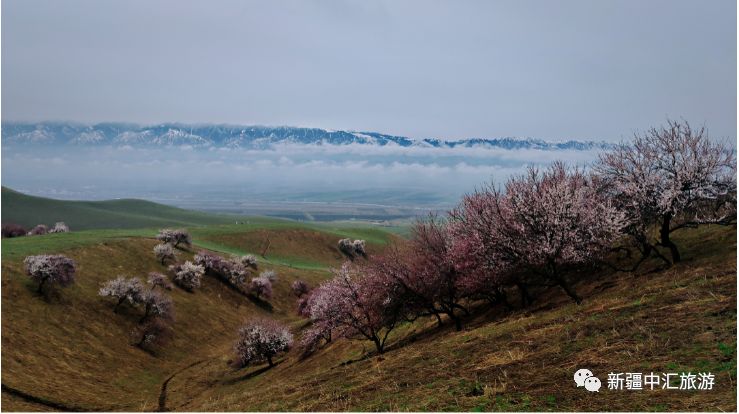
[72, 351]
[96, 222]
[29, 210]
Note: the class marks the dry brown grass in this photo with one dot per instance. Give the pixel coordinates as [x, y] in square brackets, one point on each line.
[73, 349]
[682, 318]
[665, 321]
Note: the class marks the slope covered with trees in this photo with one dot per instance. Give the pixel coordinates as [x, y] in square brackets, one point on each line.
[549, 272]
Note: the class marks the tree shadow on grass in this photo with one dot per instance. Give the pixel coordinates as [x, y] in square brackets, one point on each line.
[249, 375]
[260, 302]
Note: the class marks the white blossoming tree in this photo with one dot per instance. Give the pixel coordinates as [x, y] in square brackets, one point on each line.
[261, 340]
[124, 290]
[50, 270]
[672, 177]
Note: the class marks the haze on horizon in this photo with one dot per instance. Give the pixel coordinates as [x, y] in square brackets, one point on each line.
[553, 70]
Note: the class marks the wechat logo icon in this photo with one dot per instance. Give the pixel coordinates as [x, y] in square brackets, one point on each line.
[585, 378]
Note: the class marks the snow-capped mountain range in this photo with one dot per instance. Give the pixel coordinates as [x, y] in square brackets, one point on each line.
[249, 137]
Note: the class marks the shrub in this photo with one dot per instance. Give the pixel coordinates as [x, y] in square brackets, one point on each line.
[188, 275]
[249, 261]
[157, 305]
[300, 288]
[352, 248]
[49, 270]
[261, 287]
[13, 230]
[302, 305]
[260, 340]
[673, 176]
[359, 247]
[124, 290]
[39, 230]
[164, 252]
[152, 332]
[59, 227]
[174, 237]
[346, 246]
[159, 280]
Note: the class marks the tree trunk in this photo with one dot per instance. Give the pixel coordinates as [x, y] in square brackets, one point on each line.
[41, 286]
[378, 345]
[457, 321]
[269, 361]
[525, 297]
[118, 305]
[570, 292]
[502, 297]
[665, 241]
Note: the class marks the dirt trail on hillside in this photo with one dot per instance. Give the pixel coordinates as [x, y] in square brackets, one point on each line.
[163, 392]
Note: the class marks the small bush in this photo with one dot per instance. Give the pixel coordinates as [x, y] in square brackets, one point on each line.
[164, 252]
[270, 275]
[39, 230]
[59, 227]
[174, 237]
[159, 280]
[249, 261]
[353, 248]
[261, 288]
[153, 332]
[13, 230]
[188, 275]
[300, 288]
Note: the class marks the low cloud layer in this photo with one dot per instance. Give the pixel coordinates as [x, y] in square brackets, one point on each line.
[305, 172]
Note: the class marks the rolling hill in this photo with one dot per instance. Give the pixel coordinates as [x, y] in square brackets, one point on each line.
[29, 210]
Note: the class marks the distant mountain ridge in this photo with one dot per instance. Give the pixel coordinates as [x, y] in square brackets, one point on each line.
[249, 137]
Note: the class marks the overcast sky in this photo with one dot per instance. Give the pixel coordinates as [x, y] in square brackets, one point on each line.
[452, 69]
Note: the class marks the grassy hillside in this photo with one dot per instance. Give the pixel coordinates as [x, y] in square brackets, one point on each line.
[29, 210]
[287, 243]
[73, 350]
[660, 320]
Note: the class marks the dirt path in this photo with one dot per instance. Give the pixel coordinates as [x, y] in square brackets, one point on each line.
[163, 392]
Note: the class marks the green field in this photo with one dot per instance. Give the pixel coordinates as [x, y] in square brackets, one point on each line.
[95, 222]
[29, 210]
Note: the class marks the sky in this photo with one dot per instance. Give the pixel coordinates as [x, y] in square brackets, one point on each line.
[446, 69]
